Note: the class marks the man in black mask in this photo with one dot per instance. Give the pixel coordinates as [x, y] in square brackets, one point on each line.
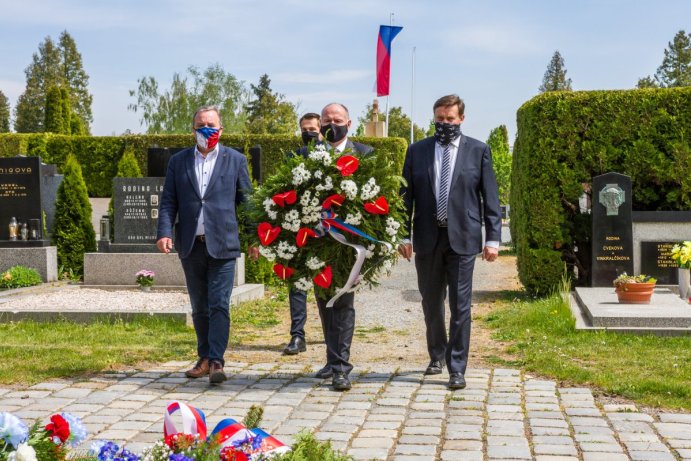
[309, 130]
[450, 189]
[338, 322]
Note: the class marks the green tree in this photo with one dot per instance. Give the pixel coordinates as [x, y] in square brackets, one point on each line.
[128, 167]
[498, 142]
[72, 230]
[675, 69]
[399, 124]
[53, 65]
[4, 113]
[56, 120]
[172, 111]
[555, 75]
[269, 112]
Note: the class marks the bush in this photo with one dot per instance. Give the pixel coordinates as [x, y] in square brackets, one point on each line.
[72, 230]
[566, 138]
[20, 276]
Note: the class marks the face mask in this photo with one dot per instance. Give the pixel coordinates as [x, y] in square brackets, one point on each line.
[446, 132]
[334, 133]
[207, 137]
[310, 136]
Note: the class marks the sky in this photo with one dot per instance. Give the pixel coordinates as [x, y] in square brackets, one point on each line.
[493, 54]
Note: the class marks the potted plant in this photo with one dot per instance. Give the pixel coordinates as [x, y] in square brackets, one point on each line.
[634, 289]
[681, 254]
[145, 279]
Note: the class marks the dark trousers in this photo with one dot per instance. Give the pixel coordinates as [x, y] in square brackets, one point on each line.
[298, 312]
[436, 271]
[209, 283]
[338, 323]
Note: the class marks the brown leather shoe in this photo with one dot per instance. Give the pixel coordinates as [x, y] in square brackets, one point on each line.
[201, 368]
[216, 373]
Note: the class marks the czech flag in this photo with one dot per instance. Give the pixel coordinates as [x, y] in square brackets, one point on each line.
[386, 36]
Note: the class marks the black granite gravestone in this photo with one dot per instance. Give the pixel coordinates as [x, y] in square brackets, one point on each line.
[27, 192]
[612, 230]
[656, 261]
[157, 160]
[135, 205]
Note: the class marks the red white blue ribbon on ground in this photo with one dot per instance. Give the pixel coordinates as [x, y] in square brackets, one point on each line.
[193, 420]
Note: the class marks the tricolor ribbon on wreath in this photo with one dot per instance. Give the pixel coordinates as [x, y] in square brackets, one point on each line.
[230, 434]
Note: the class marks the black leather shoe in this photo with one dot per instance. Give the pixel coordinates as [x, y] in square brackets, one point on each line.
[295, 346]
[435, 367]
[341, 382]
[456, 381]
[325, 372]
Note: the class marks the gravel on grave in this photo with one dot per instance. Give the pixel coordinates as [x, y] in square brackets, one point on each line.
[74, 298]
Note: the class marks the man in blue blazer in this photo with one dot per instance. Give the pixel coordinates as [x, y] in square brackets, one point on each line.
[204, 186]
[451, 189]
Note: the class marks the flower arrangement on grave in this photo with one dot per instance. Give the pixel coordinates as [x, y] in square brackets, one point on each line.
[315, 210]
[51, 442]
[634, 289]
[623, 280]
[145, 278]
[681, 254]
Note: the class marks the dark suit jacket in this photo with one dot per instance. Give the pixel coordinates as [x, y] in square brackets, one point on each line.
[473, 190]
[359, 148]
[229, 186]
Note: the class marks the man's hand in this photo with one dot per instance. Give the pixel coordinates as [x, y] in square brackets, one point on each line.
[490, 253]
[253, 252]
[164, 244]
[406, 250]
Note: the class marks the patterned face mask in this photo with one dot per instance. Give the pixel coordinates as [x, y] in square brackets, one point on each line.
[446, 132]
[207, 137]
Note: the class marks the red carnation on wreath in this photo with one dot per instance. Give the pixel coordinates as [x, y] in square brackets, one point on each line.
[59, 429]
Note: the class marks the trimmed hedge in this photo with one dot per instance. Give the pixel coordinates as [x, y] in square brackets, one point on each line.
[566, 138]
[99, 155]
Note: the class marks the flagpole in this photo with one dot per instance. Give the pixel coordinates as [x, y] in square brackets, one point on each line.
[412, 96]
[386, 134]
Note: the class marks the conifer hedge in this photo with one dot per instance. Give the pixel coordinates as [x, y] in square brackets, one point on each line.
[99, 155]
[566, 138]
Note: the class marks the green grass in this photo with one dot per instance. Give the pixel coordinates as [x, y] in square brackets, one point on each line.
[31, 352]
[648, 369]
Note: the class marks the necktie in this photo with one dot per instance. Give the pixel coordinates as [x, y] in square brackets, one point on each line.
[443, 197]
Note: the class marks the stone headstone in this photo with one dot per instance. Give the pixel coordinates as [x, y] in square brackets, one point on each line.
[656, 261]
[27, 190]
[157, 160]
[612, 234]
[135, 205]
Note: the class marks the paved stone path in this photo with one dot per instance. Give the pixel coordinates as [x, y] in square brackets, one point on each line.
[395, 415]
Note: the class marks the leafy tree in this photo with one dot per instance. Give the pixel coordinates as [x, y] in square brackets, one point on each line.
[399, 124]
[172, 111]
[72, 230]
[53, 65]
[57, 120]
[498, 142]
[4, 113]
[555, 75]
[269, 112]
[675, 69]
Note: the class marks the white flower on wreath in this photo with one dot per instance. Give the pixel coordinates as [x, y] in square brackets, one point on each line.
[268, 207]
[24, 452]
[318, 174]
[369, 190]
[328, 184]
[349, 188]
[305, 199]
[354, 219]
[392, 226]
[268, 253]
[311, 214]
[314, 263]
[291, 221]
[370, 251]
[303, 284]
[320, 154]
[285, 250]
[300, 174]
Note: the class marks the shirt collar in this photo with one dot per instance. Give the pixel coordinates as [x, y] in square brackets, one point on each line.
[455, 142]
[340, 147]
[199, 155]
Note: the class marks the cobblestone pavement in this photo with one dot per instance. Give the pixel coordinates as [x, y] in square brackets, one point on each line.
[388, 415]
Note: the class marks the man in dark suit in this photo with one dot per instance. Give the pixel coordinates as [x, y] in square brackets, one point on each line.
[203, 187]
[338, 322]
[309, 131]
[451, 189]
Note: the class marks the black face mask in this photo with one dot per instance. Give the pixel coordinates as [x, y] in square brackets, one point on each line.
[310, 136]
[446, 132]
[334, 133]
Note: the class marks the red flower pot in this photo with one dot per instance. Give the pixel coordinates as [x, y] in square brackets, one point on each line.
[635, 293]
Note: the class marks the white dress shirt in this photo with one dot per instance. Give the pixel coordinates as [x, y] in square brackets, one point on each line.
[203, 167]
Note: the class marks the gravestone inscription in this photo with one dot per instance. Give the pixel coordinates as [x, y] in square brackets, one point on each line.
[656, 261]
[135, 203]
[612, 235]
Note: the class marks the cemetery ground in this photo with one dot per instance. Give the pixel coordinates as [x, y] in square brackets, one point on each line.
[510, 329]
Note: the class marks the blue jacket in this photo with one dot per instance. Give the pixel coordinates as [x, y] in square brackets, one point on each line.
[228, 187]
